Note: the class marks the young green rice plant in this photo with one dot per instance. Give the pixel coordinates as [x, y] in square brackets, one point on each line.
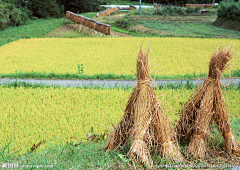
[80, 69]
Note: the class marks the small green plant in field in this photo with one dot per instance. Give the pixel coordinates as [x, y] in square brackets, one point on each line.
[80, 69]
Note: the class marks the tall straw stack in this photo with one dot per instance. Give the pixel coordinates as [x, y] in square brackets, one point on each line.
[207, 105]
[145, 121]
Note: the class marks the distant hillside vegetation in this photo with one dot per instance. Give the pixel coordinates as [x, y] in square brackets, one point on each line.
[227, 24]
[228, 15]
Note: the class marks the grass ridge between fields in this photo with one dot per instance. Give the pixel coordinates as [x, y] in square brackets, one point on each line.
[110, 76]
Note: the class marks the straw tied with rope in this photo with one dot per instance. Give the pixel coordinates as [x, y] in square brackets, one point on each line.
[146, 123]
[107, 12]
[90, 23]
[207, 106]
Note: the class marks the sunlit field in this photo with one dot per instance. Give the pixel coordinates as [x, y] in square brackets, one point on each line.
[169, 56]
[31, 115]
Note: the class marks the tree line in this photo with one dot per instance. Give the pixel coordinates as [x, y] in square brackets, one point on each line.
[16, 12]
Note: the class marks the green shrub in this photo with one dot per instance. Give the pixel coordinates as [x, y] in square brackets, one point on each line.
[215, 6]
[11, 16]
[180, 11]
[229, 10]
[197, 9]
[172, 10]
[45, 9]
[23, 5]
[190, 10]
[40, 9]
[125, 23]
[163, 12]
[123, 2]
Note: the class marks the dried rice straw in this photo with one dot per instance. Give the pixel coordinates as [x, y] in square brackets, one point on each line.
[145, 120]
[205, 106]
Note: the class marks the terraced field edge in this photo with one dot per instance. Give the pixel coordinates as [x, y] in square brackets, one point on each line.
[110, 76]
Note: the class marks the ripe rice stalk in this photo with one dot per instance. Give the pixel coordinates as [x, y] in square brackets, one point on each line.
[207, 105]
[145, 120]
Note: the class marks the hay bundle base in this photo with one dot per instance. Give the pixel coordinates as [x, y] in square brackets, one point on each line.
[207, 105]
[145, 121]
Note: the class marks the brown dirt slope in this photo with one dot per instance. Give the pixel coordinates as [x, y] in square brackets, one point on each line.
[227, 24]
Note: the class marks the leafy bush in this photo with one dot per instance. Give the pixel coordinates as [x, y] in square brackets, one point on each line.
[11, 16]
[229, 10]
[215, 6]
[180, 11]
[40, 9]
[190, 10]
[125, 23]
[123, 2]
[80, 6]
[172, 10]
[21, 4]
[197, 9]
[163, 12]
[46, 8]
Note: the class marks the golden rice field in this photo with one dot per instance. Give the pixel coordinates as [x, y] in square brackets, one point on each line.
[31, 115]
[172, 56]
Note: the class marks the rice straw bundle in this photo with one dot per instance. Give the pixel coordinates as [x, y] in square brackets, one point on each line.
[145, 120]
[205, 106]
[79, 19]
[67, 15]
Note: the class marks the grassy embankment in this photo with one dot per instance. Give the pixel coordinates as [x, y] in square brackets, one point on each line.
[63, 106]
[191, 25]
[227, 24]
[147, 26]
[38, 28]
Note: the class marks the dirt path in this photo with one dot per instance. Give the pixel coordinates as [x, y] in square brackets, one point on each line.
[108, 83]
